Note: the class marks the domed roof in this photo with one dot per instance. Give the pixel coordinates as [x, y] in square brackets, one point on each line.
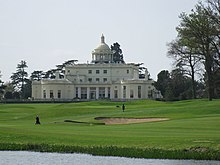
[102, 47]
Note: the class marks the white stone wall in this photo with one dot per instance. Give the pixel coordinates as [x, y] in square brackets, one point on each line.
[65, 87]
[36, 89]
[122, 78]
[115, 72]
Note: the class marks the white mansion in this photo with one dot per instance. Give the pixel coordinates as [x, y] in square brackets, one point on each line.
[102, 78]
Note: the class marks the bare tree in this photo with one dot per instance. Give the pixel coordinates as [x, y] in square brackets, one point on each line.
[186, 60]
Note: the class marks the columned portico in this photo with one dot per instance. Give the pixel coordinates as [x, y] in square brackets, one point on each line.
[135, 92]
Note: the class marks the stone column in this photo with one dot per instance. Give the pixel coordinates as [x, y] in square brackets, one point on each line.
[97, 92]
[106, 92]
[128, 92]
[88, 91]
[79, 92]
[135, 92]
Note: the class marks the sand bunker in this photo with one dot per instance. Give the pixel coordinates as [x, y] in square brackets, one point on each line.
[118, 120]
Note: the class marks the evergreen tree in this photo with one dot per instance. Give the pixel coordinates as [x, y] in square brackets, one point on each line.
[163, 80]
[37, 75]
[19, 78]
[117, 53]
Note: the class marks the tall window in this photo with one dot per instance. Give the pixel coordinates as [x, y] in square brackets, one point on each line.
[89, 71]
[115, 94]
[131, 93]
[77, 94]
[124, 92]
[97, 79]
[89, 79]
[105, 71]
[59, 94]
[150, 93]
[83, 93]
[109, 91]
[92, 93]
[127, 71]
[101, 92]
[104, 79]
[139, 91]
[51, 94]
[44, 94]
[97, 71]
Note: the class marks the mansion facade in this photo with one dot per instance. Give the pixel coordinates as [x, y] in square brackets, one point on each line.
[103, 78]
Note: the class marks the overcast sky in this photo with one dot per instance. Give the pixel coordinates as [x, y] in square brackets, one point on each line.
[45, 33]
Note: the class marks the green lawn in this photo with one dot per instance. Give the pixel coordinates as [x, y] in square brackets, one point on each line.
[193, 126]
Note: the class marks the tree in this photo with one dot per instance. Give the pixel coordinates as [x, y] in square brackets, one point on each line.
[70, 62]
[185, 60]
[117, 53]
[180, 85]
[163, 80]
[60, 68]
[198, 33]
[10, 92]
[27, 89]
[50, 74]
[37, 75]
[2, 87]
[19, 78]
[174, 85]
[213, 11]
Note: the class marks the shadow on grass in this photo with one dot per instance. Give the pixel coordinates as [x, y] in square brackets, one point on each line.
[80, 122]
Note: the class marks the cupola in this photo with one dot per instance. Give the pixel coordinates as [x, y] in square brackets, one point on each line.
[102, 54]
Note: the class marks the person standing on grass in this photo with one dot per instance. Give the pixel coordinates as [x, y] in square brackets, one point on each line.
[123, 107]
[37, 120]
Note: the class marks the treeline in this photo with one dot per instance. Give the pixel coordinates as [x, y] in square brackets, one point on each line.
[175, 85]
[20, 86]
